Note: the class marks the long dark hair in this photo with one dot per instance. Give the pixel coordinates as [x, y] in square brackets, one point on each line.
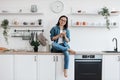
[66, 25]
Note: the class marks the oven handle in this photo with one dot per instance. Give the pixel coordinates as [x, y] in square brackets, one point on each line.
[84, 60]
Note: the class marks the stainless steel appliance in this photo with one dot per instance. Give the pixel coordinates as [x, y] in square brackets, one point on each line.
[88, 67]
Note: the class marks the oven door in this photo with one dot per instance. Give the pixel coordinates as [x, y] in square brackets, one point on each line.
[88, 69]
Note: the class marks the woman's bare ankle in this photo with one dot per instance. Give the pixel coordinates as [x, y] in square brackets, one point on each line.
[65, 73]
[72, 51]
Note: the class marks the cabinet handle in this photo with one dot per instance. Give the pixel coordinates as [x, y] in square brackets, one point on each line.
[53, 58]
[57, 58]
[35, 58]
[118, 58]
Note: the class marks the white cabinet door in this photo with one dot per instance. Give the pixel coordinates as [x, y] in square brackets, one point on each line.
[25, 67]
[6, 67]
[46, 67]
[111, 67]
[60, 68]
[71, 68]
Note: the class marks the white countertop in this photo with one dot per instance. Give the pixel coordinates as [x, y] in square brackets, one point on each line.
[49, 53]
[96, 52]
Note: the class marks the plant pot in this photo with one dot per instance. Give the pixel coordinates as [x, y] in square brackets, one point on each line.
[35, 48]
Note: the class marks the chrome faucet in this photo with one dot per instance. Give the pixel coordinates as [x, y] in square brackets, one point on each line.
[116, 48]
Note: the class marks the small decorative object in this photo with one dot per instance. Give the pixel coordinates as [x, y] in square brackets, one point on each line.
[34, 41]
[4, 25]
[33, 8]
[39, 21]
[84, 23]
[20, 10]
[77, 23]
[32, 23]
[79, 11]
[16, 22]
[25, 23]
[114, 23]
[105, 12]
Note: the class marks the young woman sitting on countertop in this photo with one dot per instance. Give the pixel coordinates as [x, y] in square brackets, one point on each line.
[60, 35]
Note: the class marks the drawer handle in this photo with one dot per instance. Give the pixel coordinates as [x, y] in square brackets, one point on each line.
[35, 58]
[118, 58]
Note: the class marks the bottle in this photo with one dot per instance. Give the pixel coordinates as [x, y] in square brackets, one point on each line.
[40, 21]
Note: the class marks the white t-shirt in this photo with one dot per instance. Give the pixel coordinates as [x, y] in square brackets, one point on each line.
[60, 40]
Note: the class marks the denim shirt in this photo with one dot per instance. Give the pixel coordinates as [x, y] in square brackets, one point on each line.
[55, 31]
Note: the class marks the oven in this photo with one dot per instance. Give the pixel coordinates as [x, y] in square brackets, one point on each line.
[88, 67]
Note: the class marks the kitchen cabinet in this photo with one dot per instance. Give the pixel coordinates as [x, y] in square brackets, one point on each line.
[60, 68]
[25, 67]
[46, 67]
[53, 66]
[34, 67]
[111, 67]
[6, 67]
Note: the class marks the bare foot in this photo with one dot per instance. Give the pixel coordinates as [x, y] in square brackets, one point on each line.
[65, 73]
[72, 51]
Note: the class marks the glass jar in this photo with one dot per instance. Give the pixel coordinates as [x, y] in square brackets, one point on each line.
[33, 8]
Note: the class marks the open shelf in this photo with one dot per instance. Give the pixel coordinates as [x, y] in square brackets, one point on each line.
[112, 14]
[21, 13]
[90, 26]
[26, 26]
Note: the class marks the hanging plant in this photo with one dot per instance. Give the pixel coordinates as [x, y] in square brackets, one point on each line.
[4, 25]
[105, 12]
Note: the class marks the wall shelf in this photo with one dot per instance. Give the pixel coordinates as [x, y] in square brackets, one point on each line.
[94, 14]
[19, 23]
[26, 26]
[87, 21]
[94, 26]
[21, 13]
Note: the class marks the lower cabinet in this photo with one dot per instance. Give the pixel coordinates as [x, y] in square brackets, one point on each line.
[25, 67]
[111, 67]
[51, 67]
[60, 68]
[34, 67]
[6, 67]
[46, 67]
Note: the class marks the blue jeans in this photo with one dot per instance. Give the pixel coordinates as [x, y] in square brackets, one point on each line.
[64, 49]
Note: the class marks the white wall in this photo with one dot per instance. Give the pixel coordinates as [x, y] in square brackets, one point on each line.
[82, 39]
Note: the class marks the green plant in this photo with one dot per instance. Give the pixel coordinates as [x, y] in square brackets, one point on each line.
[35, 43]
[34, 40]
[4, 25]
[105, 12]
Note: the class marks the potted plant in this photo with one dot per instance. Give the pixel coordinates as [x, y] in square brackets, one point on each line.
[105, 12]
[4, 25]
[34, 41]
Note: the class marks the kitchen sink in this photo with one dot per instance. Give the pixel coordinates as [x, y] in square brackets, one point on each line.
[111, 51]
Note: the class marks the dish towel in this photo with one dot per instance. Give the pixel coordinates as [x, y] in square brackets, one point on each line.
[42, 39]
